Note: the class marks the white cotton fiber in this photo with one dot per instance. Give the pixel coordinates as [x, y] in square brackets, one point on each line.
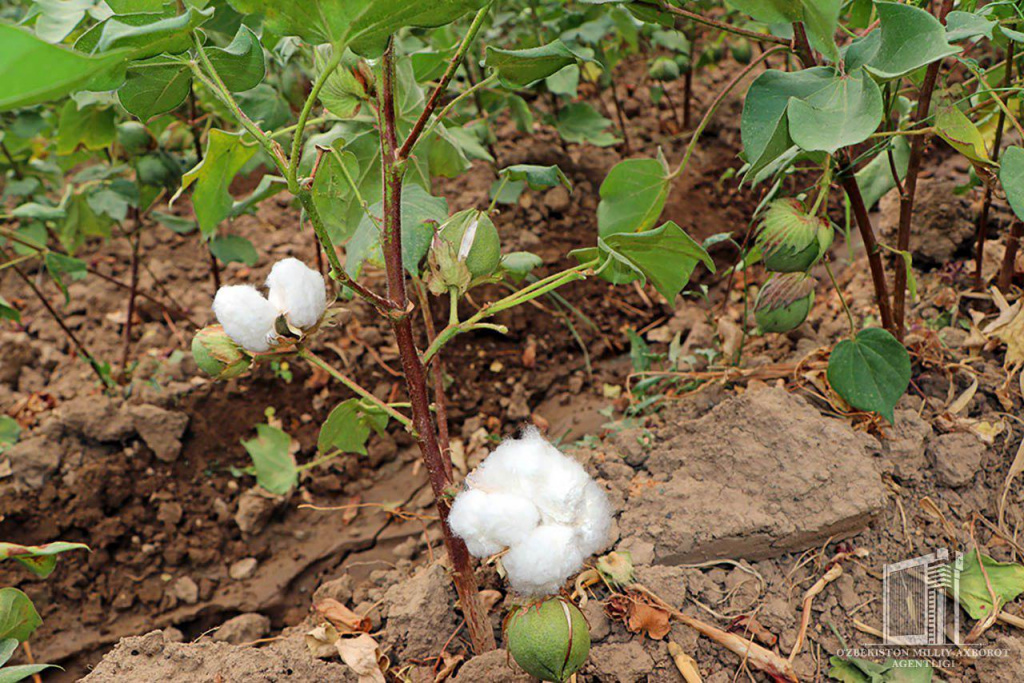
[541, 504]
[298, 292]
[246, 316]
[491, 522]
[543, 561]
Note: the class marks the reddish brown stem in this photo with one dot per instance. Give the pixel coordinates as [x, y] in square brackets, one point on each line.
[981, 232]
[620, 115]
[1008, 268]
[135, 238]
[867, 234]
[480, 631]
[924, 103]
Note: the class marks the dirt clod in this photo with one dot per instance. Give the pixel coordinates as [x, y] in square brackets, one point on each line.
[957, 458]
[255, 508]
[160, 429]
[495, 666]
[243, 569]
[419, 619]
[245, 628]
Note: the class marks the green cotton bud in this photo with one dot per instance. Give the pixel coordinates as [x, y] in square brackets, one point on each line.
[474, 238]
[790, 239]
[217, 355]
[663, 69]
[784, 302]
[549, 640]
[446, 270]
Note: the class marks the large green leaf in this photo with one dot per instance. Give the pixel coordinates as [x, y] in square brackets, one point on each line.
[91, 127]
[844, 112]
[890, 671]
[965, 25]
[225, 155]
[18, 616]
[348, 427]
[13, 674]
[911, 38]
[1007, 581]
[581, 123]
[820, 17]
[521, 68]
[240, 64]
[1011, 175]
[953, 126]
[172, 35]
[537, 177]
[870, 372]
[234, 249]
[155, 86]
[632, 196]
[363, 25]
[665, 257]
[33, 71]
[56, 19]
[39, 559]
[272, 457]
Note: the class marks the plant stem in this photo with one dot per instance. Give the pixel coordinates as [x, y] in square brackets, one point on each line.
[354, 386]
[442, 85]
[198, 144]
[849, 315]
[480, 632]
[293, 160]
[981, 230]
[619, 114]
[910, 186]
[133, 284]
[451, 105]
[714, 107]
[1006, 271]
[867, 234]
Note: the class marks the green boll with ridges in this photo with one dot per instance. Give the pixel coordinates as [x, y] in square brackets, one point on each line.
[790, 239]
[784, 302]
[217, 354]
[549, 640]
[475, 241]
[663, 69]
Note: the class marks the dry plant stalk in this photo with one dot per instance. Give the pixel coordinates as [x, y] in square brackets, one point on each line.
[686, 664]
[831, 575]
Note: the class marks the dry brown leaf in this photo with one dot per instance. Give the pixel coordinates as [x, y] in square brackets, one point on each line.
[343, 619]
[1009, 329]
[352, 511]
[363, 656]
[649, 620]
[489, 598]
[322, 641]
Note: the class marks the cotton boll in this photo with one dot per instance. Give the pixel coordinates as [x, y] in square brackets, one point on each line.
[595, 520]
[543, 561]
[490, 522]
[298, 292]
[246, 316]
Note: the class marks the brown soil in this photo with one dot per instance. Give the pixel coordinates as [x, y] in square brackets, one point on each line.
[167, 532]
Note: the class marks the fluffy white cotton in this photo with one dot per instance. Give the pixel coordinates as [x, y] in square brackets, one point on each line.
[540, 504]
[298, 292]
[246, 316]
[491, 522]
[544, 560]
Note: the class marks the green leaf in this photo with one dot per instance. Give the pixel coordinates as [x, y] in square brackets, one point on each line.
[891, 671]
[178, 224]
[7, 648]
[965, 25]
[155, 86]
[268, 186]
[271, 455]
[519, 264]
[363, 25]
[820, 17]
[875, 179]
[56, 71]
[1007, 581]
[522, 68]
[1011, 175]
[343, 93]
[844, 112]
[911, 38]
[13, 674]
[225, 155]
[56, 19]
[241, 63]
[665, 256]
[421, 213]
[581, 123]
[348, 427]
[632, 196]
[565, 82]
[265, 105]
[233, 248]
[9, 432]
[91, 127]
[537, 177]
[59, 265]
[870, 372]
[770, 11]
[18, 616]
[8, 312]
[172, 35]
[39, 559]
[953, 126]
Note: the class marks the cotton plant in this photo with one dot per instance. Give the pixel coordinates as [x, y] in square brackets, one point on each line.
[294, 307]
[541, 508]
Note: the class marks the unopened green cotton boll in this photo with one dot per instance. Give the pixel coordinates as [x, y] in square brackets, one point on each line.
[134, 137]
[792, 240]
[663, 69]
[549, 640]
[217, 354]
[784, 302]
[474, 238]
[248, 318]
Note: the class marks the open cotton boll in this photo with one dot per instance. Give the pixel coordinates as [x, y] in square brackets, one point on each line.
[246, 317]
[490, 522]
[298, 292]
[543, 561]
[595, 520]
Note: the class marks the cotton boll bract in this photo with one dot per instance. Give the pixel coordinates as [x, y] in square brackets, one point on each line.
[246, 317]
[543, 561]
[298, 292]
[490, 522]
